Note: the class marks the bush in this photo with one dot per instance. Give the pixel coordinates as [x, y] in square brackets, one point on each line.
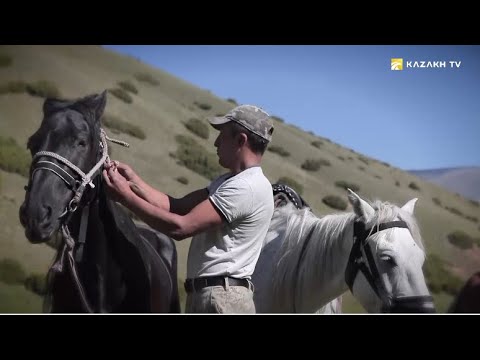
[361, 168]
[474, 203]
[13, 158]
[121, 94]
[413, 186]
[341, 158]
[146, 78]
[385, 164]
[5, 60]
[454, 210]
[14, 87]
[397, 183]
[116, 124]
[11, 272]
[377, 177]
[276, 118]
[128, 86]
[203, 106]
[437, 201]
[317, 143]
[198, 127]
[471, 218]
[363, 159]
[233, 101]
[461, 240]
[292, 183]
[438, 277]
[347, 185]
[278, 150]
[182, 180]
[36, 283]
[194, 157]
[43, 88]
[311, 165]
[335, 202]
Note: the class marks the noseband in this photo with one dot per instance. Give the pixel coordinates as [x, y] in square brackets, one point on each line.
[357, 262]
[78, 187]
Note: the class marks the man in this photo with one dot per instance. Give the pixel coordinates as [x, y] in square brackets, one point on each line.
[228, 220]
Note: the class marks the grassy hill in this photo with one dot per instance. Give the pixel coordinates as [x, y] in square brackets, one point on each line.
[161, 108]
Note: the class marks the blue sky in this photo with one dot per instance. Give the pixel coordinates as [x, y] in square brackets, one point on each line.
[418, 118]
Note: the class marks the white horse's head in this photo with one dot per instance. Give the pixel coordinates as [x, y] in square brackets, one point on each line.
[384, 270]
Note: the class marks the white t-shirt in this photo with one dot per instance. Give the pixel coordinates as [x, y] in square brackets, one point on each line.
[232, 249]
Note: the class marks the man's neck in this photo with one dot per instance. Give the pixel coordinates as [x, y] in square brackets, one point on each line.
[247, 163]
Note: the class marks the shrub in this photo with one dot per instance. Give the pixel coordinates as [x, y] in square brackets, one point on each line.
[194, 157]
[146, 78]
[363, 159]
[36, 283]
[347, 185]
[460, 239]
[278, 150]
[276, 118]
[128, 86]
[454, 210]
[385, 164]
[317, 143]
[233, 101]
[361, 168]
[311, 165]
[335, 202]
[11, 272]
[121, 94]
[378, 177]
[437, 201]
[203, 106]
[14, 87]
[198, 127]
[413, 186]
[341, 158]
[182, 180]
[397, 183]
[471, 218]
[13, 158]
[474, 203]
[5, 60]
[292, 183]
[43, 88]
[116, 124]
[438, 277]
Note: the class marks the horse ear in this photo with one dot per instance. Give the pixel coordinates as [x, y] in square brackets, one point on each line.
[96, 103]
[51, 105]
[410, 206]
[360, 206]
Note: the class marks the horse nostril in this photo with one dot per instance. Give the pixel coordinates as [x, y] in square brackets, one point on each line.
[46, 215]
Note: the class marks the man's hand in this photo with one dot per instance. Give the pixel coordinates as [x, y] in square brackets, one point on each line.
[117, 185]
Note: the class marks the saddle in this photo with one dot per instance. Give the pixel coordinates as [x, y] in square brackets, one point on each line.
[283, 194]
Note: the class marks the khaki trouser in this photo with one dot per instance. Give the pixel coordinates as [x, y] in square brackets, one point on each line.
[221, 300]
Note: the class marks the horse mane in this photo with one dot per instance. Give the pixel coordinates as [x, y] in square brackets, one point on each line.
[302, 225]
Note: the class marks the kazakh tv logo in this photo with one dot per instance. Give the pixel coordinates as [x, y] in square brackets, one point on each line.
[397, 64]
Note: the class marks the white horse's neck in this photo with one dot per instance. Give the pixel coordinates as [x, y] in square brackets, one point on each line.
[312, 261]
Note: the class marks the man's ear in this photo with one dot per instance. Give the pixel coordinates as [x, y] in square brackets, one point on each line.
[242, 139]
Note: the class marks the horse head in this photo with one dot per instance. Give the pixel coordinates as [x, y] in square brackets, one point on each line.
[65, 148]
[384, 269]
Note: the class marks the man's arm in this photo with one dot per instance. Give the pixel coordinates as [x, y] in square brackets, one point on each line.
[157, 198]
[202, 217]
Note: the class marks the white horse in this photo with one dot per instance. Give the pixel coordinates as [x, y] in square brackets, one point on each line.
[307, 262]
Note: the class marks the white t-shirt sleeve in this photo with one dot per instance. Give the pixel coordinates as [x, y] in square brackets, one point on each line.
[234, 199]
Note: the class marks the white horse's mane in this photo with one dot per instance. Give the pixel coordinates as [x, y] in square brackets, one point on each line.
[325, 234]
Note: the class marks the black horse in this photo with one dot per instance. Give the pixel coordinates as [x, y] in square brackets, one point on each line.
[105, 263]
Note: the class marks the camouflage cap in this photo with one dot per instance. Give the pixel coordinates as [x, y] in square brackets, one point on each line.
[250, 117]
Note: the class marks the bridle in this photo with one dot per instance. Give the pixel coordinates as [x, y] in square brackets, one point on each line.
[78, 187]
[366, 264]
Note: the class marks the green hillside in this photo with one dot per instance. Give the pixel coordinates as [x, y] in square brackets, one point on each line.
[160, 109]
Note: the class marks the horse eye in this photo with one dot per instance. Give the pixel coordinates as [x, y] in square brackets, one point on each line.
[82, 143]
[387, 259]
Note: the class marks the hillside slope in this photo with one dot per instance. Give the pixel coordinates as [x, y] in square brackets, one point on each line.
[162, 110]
